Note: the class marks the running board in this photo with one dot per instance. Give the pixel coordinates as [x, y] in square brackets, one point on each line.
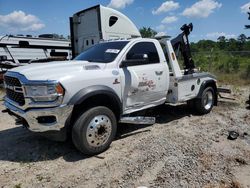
[138, 120]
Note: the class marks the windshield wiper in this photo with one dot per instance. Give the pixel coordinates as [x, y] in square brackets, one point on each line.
[96, 60]
[89, 60]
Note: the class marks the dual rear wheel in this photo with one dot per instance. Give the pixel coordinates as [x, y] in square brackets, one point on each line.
[205, 103]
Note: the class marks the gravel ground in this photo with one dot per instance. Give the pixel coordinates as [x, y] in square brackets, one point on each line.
[180, 150]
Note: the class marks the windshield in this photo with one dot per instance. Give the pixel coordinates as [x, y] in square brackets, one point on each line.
[102, 52]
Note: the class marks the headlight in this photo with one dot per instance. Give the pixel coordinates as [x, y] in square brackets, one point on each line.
[44, 92]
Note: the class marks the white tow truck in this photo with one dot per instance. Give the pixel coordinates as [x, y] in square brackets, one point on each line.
[106, 84]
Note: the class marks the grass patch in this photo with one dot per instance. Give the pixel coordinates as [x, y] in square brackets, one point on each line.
[18, 185]
[232, 79]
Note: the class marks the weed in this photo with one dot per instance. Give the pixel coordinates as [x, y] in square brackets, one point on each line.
[18, 185]
[39, 177]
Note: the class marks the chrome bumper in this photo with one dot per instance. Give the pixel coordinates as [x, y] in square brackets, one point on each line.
[61, 113]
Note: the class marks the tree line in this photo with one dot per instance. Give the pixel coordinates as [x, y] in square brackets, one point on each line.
[242, 43]
[229, 59]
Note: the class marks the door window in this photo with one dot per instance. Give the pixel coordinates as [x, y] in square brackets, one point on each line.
[142, 49]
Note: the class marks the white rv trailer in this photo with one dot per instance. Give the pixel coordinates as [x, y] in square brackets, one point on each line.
[20, 50]
[88, 27]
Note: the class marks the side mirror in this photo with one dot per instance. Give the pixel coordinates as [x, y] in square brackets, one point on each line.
[138, 57]
[3, 58]
[134, 60]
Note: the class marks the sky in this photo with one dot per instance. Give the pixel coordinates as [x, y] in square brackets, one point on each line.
[211, 18]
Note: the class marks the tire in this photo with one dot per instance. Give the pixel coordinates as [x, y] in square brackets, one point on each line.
[191, 103]
[94, 130]
[205, 103]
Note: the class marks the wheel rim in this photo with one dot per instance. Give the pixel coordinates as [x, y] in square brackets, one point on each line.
[98, 131]
[208, 100]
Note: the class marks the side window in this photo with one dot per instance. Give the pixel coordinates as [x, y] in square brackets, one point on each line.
[142, 49]
[112, 20]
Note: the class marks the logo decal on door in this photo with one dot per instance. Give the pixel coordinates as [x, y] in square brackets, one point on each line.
[146, 85]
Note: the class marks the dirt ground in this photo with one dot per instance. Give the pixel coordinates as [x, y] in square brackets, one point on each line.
[180, 150]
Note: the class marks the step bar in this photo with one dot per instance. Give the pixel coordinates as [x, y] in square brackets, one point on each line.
[140, 120]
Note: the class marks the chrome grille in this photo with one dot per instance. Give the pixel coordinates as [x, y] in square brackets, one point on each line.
[14, 90]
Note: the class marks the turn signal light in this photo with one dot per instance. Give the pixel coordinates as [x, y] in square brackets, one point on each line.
[59, 89]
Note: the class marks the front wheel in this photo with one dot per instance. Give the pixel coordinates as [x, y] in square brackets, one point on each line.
[205, 103]
[94, 130]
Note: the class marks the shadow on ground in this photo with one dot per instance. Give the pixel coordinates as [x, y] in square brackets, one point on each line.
[20, 145]
[248, 103]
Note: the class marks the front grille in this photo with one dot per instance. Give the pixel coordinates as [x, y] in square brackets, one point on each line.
[11, 81]
[13, 90]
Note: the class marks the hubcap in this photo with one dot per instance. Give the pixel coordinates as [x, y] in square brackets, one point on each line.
[98, 130]
[208, 100]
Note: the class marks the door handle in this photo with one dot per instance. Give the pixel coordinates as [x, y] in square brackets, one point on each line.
[158, 73]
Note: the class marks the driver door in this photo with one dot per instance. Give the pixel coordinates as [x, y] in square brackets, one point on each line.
[144, 77]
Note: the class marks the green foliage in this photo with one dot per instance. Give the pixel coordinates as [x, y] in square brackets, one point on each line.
[231, 65]
[248, 71]
[147, 32]
[222, 42]
[242, 38]
[18, 185]
[228, 59]
[246, 74]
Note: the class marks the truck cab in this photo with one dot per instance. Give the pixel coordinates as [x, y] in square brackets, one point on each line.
[98, 23]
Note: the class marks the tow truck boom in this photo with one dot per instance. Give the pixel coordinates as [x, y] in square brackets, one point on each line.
[181, 43]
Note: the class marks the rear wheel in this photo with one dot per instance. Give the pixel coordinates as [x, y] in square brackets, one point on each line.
[94, 130]
[205, 103]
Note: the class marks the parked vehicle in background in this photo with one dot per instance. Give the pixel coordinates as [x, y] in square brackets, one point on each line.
[22, 50]
[90, 26]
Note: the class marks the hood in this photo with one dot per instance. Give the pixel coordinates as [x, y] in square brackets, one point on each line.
[56, 70]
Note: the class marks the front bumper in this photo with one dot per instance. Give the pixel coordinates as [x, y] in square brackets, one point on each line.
[31, 116]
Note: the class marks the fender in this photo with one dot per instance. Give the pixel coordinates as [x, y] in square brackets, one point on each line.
[90, 91]
[205, 84]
